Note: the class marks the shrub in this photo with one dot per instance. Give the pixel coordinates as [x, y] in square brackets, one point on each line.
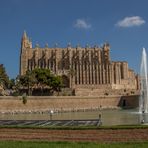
[24, 98]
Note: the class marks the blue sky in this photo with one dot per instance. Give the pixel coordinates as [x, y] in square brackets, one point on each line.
[122, 23]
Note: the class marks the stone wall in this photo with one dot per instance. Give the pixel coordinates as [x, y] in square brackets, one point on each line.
[105, 90]
[60, 103]
[129, 101]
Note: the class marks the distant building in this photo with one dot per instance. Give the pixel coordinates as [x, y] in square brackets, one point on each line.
[86, 71]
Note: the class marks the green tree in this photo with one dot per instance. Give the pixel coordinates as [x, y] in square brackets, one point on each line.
[56, 83]
[26, 81]
[39, 78]
[31, 81]
[4, 79]
[11, 83]
[43, 78]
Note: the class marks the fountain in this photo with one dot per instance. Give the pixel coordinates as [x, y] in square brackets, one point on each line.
[143, 100]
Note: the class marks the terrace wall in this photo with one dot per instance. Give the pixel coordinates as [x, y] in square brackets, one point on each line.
[10, 104]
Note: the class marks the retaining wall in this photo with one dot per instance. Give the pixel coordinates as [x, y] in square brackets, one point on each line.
[63, 103]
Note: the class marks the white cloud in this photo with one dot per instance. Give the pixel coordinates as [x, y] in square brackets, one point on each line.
[131, 21]
[82, 24]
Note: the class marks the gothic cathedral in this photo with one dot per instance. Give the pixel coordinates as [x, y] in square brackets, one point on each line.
[87, 71]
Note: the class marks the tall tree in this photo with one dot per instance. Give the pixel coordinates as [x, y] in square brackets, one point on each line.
[11, 83]
[4, 79]
[27, 81]
[41, 78]
[56, 83]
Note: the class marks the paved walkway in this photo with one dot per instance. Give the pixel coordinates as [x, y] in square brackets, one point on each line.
[42, 123]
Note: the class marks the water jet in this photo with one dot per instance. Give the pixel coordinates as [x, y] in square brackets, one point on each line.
[143, 100]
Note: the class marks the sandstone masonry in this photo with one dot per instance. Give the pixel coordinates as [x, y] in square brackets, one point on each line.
[87, 71]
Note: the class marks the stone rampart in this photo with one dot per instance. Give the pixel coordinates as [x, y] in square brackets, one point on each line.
[60, 103]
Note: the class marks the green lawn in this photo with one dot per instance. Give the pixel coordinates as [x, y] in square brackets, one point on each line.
[27, 144]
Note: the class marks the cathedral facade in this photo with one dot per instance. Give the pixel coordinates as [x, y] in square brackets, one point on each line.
[86, 71]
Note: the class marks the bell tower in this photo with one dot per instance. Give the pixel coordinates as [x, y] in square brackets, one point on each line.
[25, 43]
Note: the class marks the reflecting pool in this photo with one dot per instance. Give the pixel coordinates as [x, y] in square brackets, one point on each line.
[108, 117]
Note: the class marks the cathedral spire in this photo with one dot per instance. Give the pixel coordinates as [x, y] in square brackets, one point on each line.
[24, 35]
[26, 43]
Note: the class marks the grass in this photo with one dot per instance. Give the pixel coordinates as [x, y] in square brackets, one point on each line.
[31, 144]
